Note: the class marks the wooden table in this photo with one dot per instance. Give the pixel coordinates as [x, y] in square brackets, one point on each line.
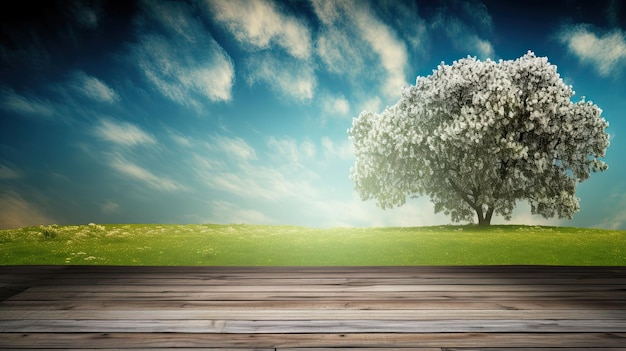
[313, 308]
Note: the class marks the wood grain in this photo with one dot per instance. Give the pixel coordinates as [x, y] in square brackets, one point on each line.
[313, 308]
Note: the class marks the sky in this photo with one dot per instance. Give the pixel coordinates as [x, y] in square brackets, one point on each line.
[237, 111]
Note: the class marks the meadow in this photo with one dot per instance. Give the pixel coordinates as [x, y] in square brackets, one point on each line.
[267, 245]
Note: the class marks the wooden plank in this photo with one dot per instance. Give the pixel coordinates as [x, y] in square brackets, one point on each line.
[338, 272]
[353, 282]
[615, 295]
[155, 305]
[321, 340]
[312, 314]
[203, 273]
[312, 326]
[316, 307]
[446, 349]
[188, 349]
[295, 288]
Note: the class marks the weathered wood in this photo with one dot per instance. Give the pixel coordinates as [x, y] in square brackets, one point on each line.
[313, 308]
[323, 340]
[152, 305]
[311, 314]
[612, 295]
[312, 326]
[337, 288]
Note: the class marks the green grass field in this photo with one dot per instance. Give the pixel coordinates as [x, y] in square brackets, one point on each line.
[263, 245]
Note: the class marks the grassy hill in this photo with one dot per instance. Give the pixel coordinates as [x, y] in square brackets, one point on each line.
[266, 245]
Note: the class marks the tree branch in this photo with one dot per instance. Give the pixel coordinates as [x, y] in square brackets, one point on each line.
[463, 195]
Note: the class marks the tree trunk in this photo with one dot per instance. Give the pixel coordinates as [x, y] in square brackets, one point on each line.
[484, 218]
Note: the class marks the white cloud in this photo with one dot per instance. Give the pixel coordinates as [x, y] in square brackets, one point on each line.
[615, 218]
[342, 150]
[290, 78]
[607, 53]
[180, 139]
[339, 52]
[235, 148]
[384, 42]
[127, 168]
[181, 74]
[176, 18]
[232, 166]
[17, 212]
[308, 149]
[351, 34]
[94, 88]
[10, 100]
[290, 151]
[228, 212]
[462, 36]
[8, 172]
[257, 184]
[328, 12]
[404, 15]
[123, 133]
[184, 63]
[260, 24]
[109, 207]
[373, 104]
[335, 105]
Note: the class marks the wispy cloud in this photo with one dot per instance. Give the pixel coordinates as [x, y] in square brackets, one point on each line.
[236, 149]
[384, 41]
[85, 15]
[373, 104]
[260, 24]
[336, 105]
[9, 172]
[133, 171]
[404, 15]
[183, 62]
[26, 105]
[240, 173]
[280, 44]
[342, 150]
[288, 183]
[607, 52]
[179, 138]
[464, 32]
[289, 78]
[228, 212]
[109, 207]
[339, 52]
[351, 33]
[93, 88]
[122, 133]
[16, 211]
[615, 217]
[288, 150]
[478, 16]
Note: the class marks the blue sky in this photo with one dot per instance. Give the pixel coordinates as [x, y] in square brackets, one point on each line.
[237, 111]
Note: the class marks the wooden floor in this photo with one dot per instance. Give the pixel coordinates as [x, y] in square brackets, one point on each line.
[313, 309]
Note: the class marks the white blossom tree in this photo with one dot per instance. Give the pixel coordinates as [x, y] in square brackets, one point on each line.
[479, 136]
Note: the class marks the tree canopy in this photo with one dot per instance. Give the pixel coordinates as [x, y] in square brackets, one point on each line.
[479, 136]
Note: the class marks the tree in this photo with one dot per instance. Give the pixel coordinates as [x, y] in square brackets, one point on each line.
[477, 137]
